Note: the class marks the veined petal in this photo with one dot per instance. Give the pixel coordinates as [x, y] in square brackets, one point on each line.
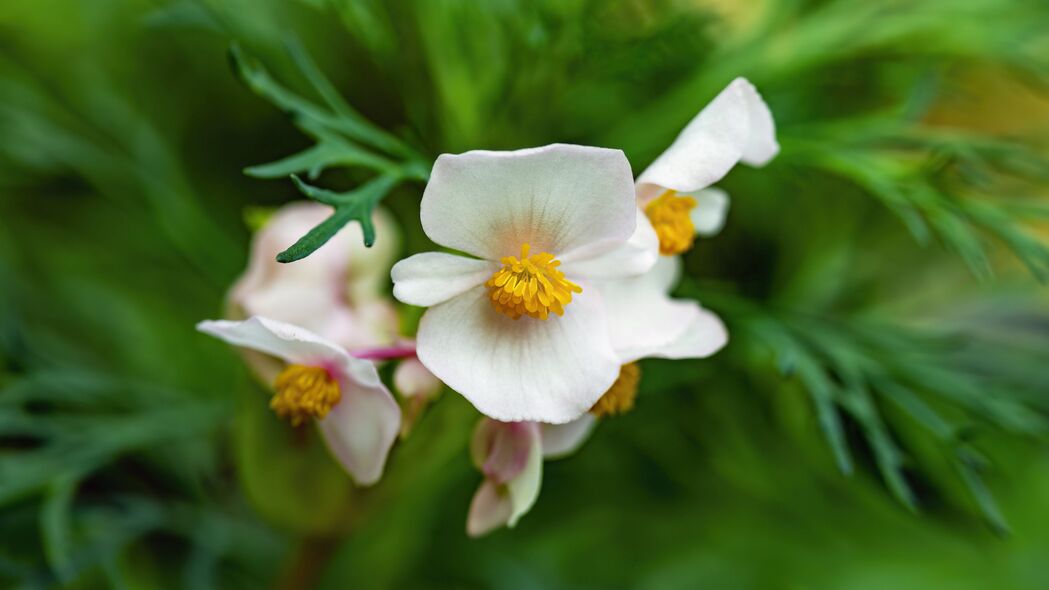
[361, 429]
[432, 277]
[279, 339]
[631, 258]
[556, 198]
[735, 127]
[561, 440]
[520, 370]
[645, 322]
[708, 216]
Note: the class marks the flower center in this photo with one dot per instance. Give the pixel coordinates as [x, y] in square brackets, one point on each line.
[619, 399]
[669, 214]
[530, 286]
[304, 392]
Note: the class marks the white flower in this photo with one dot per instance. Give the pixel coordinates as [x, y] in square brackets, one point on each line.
[510, 455]
[674, 190]
[356, 414]
[519, 331]
[337, 292]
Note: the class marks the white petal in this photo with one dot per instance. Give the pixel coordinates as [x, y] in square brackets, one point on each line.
[361, 429]
[279, 339]
[489, 510]
[710, 211]
[736, 126]
[524, 489]
[645, 322]
[556, 198]
[631, 258]
[560, 440]
[432, 277]
[525, 369]
[705, 335]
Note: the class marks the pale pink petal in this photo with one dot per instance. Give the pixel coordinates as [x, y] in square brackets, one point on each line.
[413, 379]
[490, 509]
[361, 429]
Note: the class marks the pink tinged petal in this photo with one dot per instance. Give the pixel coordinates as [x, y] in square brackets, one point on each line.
[708, 216]
[561, 440]
[501, 449]
[524, 489]
[490, 509]
[361, 429]
[282, 340]
[413, 379]
[631, 258]
[736, 126]
[433, 277]
[520, 370]
[645, 322]
[556, 198]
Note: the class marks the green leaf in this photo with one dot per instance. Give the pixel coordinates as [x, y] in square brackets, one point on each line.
[356, 205]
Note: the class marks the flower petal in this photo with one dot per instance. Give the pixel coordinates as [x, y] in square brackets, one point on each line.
[735, 127]
[561, 440]
[412, 379]
[710, 211]
[500, 449]
[361, 429]
[704, 336]
[279, 339]
[432, 277]
[644, 322]
[490, 509]
[525, 369]
[631, 258]
[524, 489]
[556, 198]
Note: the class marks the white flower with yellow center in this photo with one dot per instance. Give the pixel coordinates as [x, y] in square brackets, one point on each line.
[520, 331]
[675, 190]
[319, 380]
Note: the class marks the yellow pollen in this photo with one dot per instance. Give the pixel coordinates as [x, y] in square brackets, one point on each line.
[304, 392]
[530, 286]
[619, 399]
[669, 214]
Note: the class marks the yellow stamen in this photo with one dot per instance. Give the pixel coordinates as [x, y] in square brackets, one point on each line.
[619, 399]
[530, 286]
[669, 214]
[304, 392]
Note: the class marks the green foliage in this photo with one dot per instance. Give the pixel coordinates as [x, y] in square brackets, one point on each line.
[860, 341]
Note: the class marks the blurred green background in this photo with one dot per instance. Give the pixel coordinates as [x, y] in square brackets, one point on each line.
[878, 419]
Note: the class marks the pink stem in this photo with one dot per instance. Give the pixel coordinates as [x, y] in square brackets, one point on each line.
[386, 353]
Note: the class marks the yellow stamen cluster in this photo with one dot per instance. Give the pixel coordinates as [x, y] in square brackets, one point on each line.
[304, 392]
[669, 214]
[530, 286]
[619, 399]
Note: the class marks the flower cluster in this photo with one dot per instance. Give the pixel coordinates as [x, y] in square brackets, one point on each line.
[557, 283]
